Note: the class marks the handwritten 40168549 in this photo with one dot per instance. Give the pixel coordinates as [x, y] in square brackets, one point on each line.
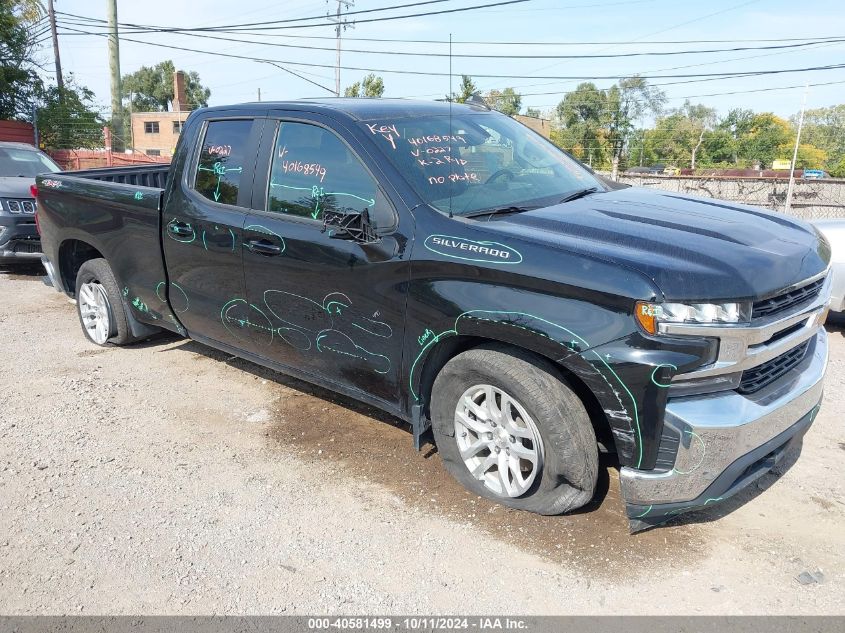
[306, 169]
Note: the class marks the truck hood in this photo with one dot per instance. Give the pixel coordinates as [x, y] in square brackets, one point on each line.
[14, 187]
[692, 248]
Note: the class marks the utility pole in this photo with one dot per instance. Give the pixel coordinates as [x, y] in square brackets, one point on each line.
[791, 188]
[340, 25]
[35, 126]
[60, 82]
[114, 67]
[259, 95]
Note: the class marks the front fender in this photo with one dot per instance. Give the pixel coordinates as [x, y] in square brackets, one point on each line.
[598, 342]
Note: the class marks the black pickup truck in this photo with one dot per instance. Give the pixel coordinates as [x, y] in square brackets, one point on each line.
[448, 265]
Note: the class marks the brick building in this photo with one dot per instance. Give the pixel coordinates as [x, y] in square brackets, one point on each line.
[156, 133]
[541, 126]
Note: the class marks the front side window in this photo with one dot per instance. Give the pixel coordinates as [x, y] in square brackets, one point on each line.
[313, 170]
[222, 159]
[472, 162]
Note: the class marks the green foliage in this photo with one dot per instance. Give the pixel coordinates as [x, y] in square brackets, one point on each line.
[824, 128]
[67, 118]
[19, 81]
[534, 113]
[583, 115]
[627, 101]
[506, 101]
[768, 138]
[837, 170]
[679, 138]
[468, 88]
[371, 86]
[150, 89]
[600, 123]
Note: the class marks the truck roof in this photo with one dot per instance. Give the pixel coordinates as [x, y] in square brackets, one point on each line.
[363, 109]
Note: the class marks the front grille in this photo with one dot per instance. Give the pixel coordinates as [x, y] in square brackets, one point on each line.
[26, 246]
[21, 206]
[781, 302]
[758, 377]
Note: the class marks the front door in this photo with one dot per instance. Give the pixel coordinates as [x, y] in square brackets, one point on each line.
[203, 226]
[331, 307]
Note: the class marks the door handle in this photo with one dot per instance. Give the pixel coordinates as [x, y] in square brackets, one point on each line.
[264, 247]
[180, 229]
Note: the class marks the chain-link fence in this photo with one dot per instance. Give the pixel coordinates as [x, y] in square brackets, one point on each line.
[811, 199]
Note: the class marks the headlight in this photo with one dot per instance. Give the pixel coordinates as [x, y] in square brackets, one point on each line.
[650, 315]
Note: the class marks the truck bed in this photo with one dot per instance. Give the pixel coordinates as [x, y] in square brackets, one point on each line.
[111, 212]
[136, 175]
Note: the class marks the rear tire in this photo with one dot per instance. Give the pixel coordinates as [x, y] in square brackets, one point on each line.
[496, 410]
[101, 310]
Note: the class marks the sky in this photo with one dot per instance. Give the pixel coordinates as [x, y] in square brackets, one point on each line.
[641, 22]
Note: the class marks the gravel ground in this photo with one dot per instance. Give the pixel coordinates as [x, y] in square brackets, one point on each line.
[169, 478]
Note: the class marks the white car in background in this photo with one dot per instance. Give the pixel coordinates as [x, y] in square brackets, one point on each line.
[834, 231]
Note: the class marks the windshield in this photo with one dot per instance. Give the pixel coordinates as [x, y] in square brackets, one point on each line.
[25, 163]
[472, 162]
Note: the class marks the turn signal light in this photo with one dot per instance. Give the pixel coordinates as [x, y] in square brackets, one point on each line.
[646, 314]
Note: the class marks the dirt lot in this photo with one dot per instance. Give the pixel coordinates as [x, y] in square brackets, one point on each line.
[170, 478]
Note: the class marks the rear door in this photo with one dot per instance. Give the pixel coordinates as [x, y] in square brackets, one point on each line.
[332, 307]
[203, 224]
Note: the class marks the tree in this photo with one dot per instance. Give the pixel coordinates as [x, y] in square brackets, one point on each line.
[810, 157]
[736, 125]
[533, 113]
[701, 120]
[468, 88]
[19, 80]
[825, 129]
[679, 136]
[837, 170]
[768, 138]
[370, 86]
[150, 89]
[67, 118]
[506, 101]
[627, 101]
[583, 117]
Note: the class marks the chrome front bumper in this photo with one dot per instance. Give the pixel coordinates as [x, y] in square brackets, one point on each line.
[716, 431]
[726, 440]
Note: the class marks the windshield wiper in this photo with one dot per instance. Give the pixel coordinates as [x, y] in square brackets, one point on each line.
[579, 193]
[498, 211]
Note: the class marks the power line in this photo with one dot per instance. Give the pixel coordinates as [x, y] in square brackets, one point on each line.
[698, 65]
[722, 75]
[368, 20]
[499, 56]
[677, 25]
[822, 38]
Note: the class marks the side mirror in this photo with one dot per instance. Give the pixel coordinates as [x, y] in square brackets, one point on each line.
[355, 227]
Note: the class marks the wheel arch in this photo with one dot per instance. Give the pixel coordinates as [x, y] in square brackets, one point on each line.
[72, 254]
[448, 348]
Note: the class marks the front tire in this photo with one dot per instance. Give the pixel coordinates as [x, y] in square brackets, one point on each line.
[510, 429]
[101, 310]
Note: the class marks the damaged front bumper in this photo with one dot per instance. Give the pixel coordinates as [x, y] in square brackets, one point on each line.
[725, 442]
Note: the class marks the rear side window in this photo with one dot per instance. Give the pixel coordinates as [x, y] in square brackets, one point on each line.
[222, 158]
[313, 170]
